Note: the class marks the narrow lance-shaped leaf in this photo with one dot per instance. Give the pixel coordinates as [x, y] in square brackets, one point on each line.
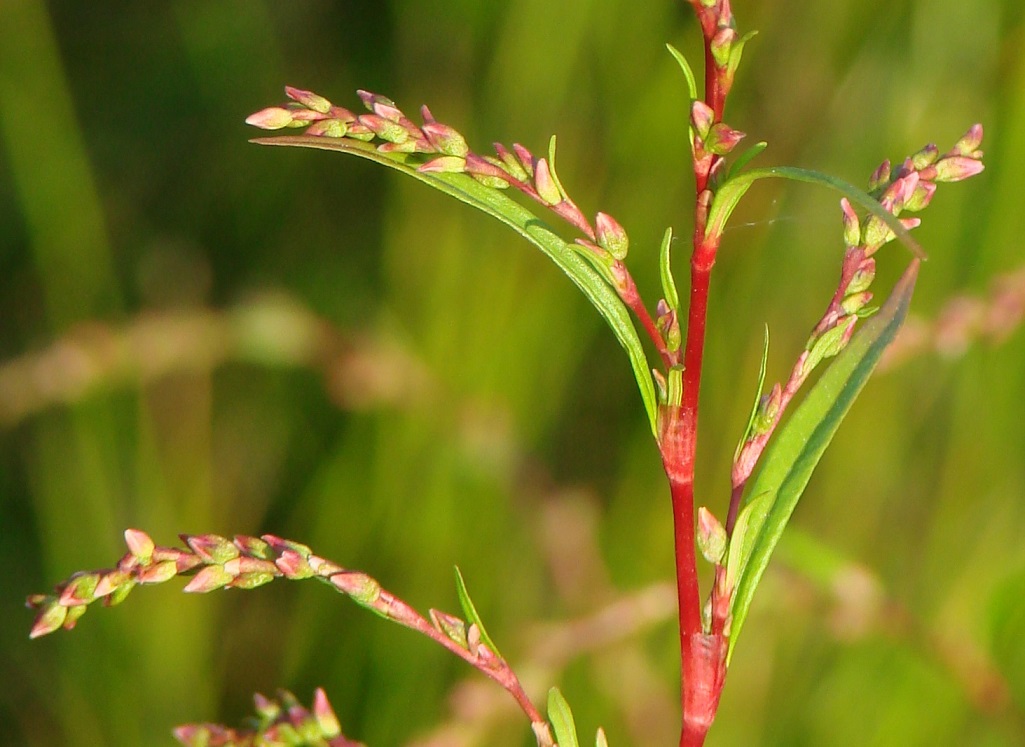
[525, 223]
[471, 612]
[669, 291]
[792, 457]
[688, 72]
[758, 394]
[561, 716]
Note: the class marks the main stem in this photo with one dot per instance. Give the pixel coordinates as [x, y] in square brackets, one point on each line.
[701, 653]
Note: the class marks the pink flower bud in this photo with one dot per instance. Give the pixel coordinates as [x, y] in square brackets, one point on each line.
[271, 118]
[359, 586]
[722, 139]
[711, 536]
[701, 118]
[293, 565]
[880, 177]
[157, 573]
[526, 159]
[327, 721]
[139, 543]
[384, 128]
[546, 187]
[851, 224]
[721, 45]
[486, 172]
[381, 106]
[969, 143]
[210, 578]
[921, 197]
[511, 163]
[443, 165]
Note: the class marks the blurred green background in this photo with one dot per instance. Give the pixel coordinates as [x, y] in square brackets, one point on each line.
[197, 334]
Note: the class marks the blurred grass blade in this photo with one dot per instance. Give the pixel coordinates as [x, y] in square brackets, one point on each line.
[525, 223]
[472, 616]
[800, 443]
[561, 716]
[730, 193]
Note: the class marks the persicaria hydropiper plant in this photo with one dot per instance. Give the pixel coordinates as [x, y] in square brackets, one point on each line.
[773, 461]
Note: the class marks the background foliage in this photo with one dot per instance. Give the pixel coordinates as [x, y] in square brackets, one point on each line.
[200, 335]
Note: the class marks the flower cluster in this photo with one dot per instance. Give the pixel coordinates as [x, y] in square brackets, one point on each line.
[447, 152]
[215, 562]
[605, 242]
[212, 561]
[278, 723]
[908, 189]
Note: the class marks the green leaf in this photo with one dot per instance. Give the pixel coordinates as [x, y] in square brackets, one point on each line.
[800, 443]
[729, 194]
[665, 266]
[525, 223]
[688, 72]
[742, 541]
[561, 717]
[471, 612]
[746, 157]
[551, 165]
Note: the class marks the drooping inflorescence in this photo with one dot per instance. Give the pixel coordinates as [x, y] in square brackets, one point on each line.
[907, 189]
[283, 722]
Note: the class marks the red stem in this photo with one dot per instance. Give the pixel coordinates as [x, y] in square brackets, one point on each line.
[702, 654]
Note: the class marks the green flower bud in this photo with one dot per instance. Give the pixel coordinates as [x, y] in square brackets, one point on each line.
[969, 143]
[363, 590]
[862, 277]
[880, 177]
[957, 168]
[50, 619]
[308, 99]
[328, 128]
[445, 139]
[925, 157]
[611, 236]
[211, 547]
[855, 302]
